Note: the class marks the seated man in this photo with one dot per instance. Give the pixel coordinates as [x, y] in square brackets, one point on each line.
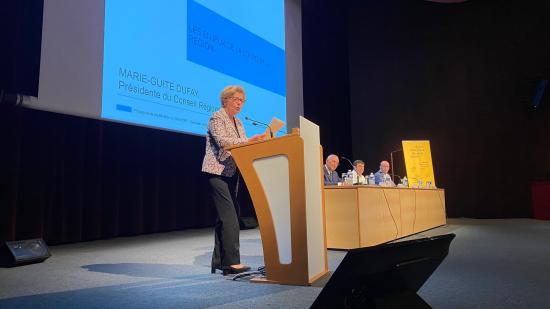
[358, 169]
[329, 170]
[382, 177]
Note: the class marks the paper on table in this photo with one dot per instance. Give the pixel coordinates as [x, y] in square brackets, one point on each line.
[275, 125]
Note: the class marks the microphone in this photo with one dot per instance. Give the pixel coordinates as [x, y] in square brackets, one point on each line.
[400, 178]
[349, 161]
[256, 122]
[391, 159]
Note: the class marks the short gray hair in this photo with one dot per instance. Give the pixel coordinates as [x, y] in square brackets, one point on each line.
[330, 156]
[230, 91]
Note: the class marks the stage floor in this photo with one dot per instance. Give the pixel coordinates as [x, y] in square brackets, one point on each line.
[491, 264]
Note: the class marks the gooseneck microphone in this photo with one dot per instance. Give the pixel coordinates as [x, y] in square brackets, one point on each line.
[349, 161]
[391, 159]
[256, 123]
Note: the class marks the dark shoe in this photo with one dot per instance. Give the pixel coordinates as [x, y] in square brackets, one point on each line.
[213, 269]
[228, 270]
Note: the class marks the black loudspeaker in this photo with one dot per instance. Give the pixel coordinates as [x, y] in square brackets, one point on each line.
[23, 252]
[384, 276]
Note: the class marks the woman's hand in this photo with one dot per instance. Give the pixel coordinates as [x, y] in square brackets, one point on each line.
[258, 137]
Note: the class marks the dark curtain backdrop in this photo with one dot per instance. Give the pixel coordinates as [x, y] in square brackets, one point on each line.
[326, 74]
[71, 179]
[461, 76]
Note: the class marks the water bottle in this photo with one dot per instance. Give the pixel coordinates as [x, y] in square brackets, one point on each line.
[371, 179]
[354, 177]
[405, 181]
[350, 177]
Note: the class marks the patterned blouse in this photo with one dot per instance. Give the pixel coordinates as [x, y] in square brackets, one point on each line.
[222, 131]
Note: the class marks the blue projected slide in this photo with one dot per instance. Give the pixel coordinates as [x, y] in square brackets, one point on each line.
[165, 62]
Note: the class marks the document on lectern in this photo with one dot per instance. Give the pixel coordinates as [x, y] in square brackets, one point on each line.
[275, 125]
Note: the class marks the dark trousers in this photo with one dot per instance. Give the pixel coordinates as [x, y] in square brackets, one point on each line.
[226, 234]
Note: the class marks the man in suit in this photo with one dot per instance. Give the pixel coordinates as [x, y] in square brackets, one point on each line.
[382, 177]
[329, 170]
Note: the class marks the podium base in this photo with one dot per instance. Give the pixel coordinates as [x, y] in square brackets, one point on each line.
[263, 280]
[313, 280]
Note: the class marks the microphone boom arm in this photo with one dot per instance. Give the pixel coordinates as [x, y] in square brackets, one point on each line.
[391, 159]
[349, 161]
[256, 122]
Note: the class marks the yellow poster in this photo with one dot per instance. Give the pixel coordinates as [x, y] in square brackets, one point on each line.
[418, 162]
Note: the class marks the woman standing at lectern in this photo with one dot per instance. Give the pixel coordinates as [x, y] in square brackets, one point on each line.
[224, 129]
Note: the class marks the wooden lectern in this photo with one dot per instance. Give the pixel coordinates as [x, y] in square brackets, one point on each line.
[284, 178]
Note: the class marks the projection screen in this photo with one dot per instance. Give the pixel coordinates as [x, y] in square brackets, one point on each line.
[162, 64]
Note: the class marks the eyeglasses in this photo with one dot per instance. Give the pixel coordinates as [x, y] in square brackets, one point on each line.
[236, 99]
